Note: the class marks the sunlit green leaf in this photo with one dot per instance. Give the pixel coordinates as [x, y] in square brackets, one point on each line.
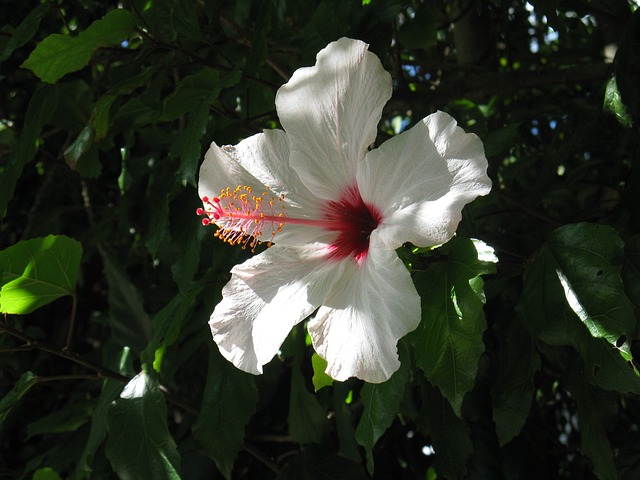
[320, 378]
[583, 262]
[38, 271]
[46, 473]
[448, 342]
[613, 104]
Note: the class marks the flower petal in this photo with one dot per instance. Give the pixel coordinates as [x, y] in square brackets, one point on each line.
[331, 111]
[259, 161]
[364, 315]
[421, 179]
[266, 296]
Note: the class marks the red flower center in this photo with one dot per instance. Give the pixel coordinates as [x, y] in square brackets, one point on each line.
[354, 220]
[242, 218]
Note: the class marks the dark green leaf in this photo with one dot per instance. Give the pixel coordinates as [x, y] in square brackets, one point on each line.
[189, 143]
[111, 389]
[139, 444]
[307, 419]
[448, 342]
[314, 463]
[78, 155]
[422, 30]
[166, 325]
[626, 67]
[101, 116]
[129, 322]
[381, 405]
[26, 30]
[38, 271]
[40, 110]
[514, 388]
[631, 270]
[58, 54]
[500, 141]
[597, 411]
[229, 400]
[449, 433]
[11, 399]
[193, 92]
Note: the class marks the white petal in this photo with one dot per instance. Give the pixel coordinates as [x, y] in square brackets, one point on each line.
[367, 311]
[266, 296]
[331, 112]
[421, 179]
[259, 161]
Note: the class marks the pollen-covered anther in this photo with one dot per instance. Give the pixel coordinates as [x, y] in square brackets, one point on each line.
[242, 217]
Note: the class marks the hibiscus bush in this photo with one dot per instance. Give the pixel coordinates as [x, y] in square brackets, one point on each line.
[326, 321]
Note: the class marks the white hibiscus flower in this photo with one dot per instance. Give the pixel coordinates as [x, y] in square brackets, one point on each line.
[335, 212]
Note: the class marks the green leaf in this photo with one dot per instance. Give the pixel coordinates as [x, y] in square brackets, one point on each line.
[307, 419]
[193, 92]
[320, 379]
[314, 463]
[345, 429]
[584, 262]
[381, 405]
[100, 119]
[139, 443]
[111, 389]
[513, 391]
[11, 399]
[613, 104]
[626, 67]
[588, 258]
[189, 143]
[81, 157]
[448, 341]
[631, 270]
[38, 271]
[129, 321]
[42, 106]
[57, 55]
[422, 30]
[46, 473]
[499, 141]
[26, 30]
[167, 323]
[597, 411]
[229, 400]
[449, 434]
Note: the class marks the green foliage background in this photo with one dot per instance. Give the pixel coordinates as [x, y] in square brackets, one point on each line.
[526, 362]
